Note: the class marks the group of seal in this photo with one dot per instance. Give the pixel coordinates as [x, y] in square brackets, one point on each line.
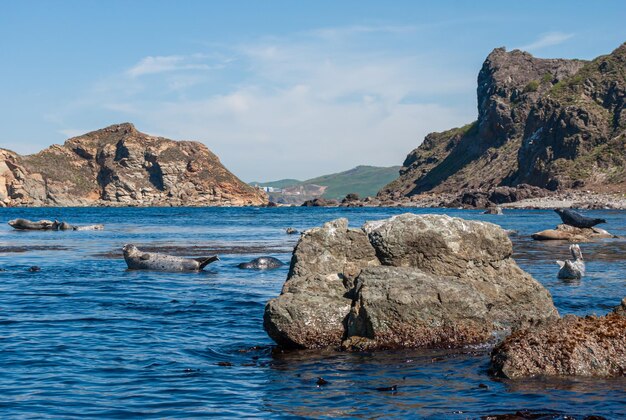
[575, 269]
[25, 224]
[142, 260]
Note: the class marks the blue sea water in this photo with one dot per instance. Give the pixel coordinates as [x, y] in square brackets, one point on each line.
[84, 337]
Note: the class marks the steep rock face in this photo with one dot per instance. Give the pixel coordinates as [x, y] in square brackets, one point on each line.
[118, 165]
[409, 281]
[551, 123]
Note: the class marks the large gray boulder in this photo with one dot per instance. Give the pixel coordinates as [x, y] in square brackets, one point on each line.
[570, 346]
[315, 301]
[443, 282]
[438, 244]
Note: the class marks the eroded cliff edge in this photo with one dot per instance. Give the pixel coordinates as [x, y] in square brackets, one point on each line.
[119, 165]
[552, 123]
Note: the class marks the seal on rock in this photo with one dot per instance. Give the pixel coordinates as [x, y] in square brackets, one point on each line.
[139, 260]
[262, 263]
[572, 218]
[572, 269]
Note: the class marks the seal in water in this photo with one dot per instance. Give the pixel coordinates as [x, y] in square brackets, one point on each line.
[262, 263]
[572, 218]
[24, 224]
[139, 260]
[572, 269]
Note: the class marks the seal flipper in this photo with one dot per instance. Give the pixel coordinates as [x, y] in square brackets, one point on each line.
[206, 261]
[560, 263]
[144, 257]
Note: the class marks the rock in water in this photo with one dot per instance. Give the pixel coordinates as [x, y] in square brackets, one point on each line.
[573, 234]
[313, 303]
[572, 218]
[262, 263]
[590, 346]
[443, 282]
[139, 260]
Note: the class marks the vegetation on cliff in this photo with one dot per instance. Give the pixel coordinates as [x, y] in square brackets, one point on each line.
[553, 123]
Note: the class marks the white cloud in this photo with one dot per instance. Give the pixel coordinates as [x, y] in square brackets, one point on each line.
[297, 106]
[162, 64]
[547, 40]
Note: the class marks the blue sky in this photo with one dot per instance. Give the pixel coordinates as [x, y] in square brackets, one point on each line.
[275, 88]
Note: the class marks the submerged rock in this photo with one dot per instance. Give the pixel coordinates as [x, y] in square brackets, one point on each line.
[590, 346]
[565, 232]
[444, 282]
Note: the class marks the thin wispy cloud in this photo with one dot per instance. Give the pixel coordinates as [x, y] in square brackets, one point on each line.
[162, 64]
[355, 30]
[303, 105]
[546, 40]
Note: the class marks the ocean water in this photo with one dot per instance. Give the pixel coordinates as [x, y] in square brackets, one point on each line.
[84, 337]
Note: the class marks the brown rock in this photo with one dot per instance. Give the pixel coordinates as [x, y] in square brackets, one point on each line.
[569, 233]
[590, 346]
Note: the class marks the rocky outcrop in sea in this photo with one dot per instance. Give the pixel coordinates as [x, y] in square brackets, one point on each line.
[570, 346]
[408, 281]
[120, 166]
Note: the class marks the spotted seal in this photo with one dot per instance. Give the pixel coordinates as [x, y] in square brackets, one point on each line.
[572, 269]
[25, 224]
[572, 218]
[262, 263]
[139, 260]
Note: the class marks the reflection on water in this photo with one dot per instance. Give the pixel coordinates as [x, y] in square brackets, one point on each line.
[86, 337]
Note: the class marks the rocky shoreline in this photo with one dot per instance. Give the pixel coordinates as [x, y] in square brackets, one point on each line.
[504, 197]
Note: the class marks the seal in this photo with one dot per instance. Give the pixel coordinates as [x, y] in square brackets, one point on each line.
[572, 218]
[572, 269]
[139, 260]
[497, 210]
[25, 224]
[262, 263]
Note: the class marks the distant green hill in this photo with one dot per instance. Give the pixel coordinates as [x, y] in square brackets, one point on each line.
[362, 180]
[281, 183]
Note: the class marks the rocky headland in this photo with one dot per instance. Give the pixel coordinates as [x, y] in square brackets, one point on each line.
[545, 128]
[120, 166]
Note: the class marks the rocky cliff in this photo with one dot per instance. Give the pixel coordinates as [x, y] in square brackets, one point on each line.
[551, 123]
[119, 165]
